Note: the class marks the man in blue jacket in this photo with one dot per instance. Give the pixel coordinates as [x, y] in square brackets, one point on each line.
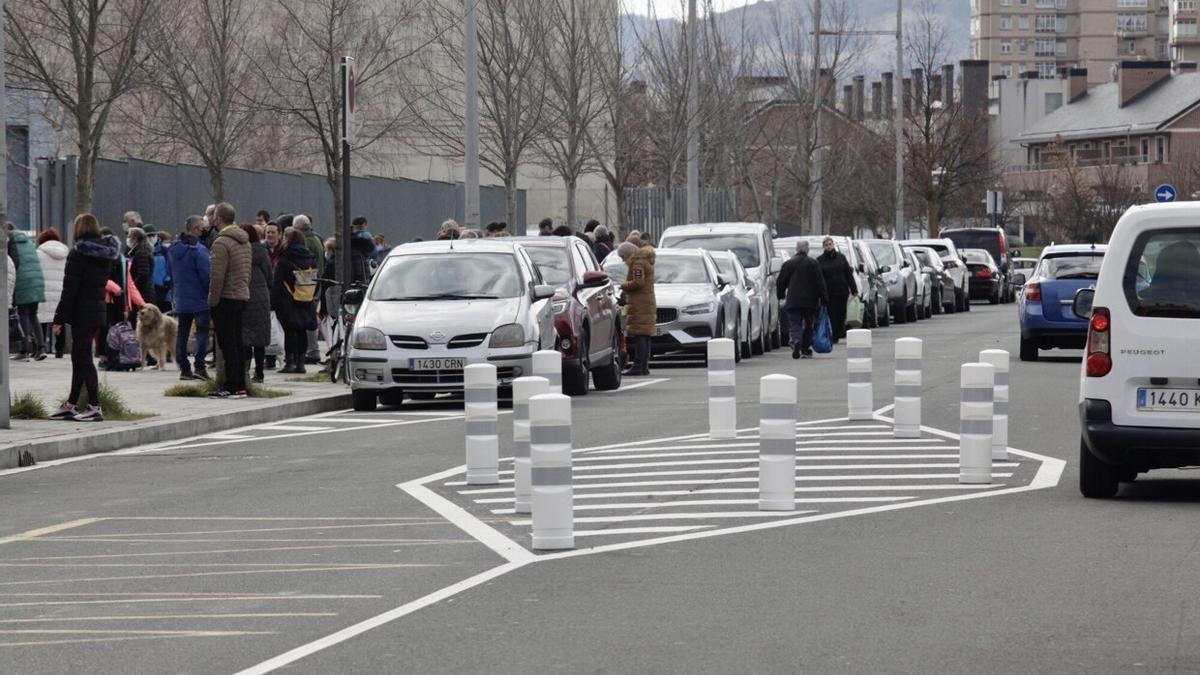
[190, 267]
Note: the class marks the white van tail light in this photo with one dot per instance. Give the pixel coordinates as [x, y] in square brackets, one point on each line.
[1099, 361]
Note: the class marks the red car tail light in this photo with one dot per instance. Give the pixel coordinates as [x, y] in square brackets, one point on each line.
[1099, 359]
[1033, 291]
[985, 273]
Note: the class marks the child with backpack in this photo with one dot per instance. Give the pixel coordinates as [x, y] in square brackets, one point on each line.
[293, 299]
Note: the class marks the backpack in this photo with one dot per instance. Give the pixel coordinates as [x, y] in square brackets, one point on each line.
[123, 351]
[305, 289]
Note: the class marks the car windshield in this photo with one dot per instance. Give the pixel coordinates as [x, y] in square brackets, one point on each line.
[978, 257]
[943, 251]
[925, 258]
[1163, 273]
[1024, 264]
[616, 269]
[727, 267]
[744, 246]
[552, 262]
[680, 269]
[988, 240]
[885, 253]
[455, 276]
[1072, 266]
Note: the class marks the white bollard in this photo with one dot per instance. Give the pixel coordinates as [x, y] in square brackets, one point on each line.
[524, 388]
[975, 427]
[907, 414]
[777, 443]
[548, 364]
[999, 360]
[552, 497]
[479, 406]
[860, 394]
[722, 394]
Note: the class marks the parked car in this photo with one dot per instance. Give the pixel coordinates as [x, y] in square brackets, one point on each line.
[1044, 304]
[875, 298]
[987, 283]
[956, 266]
[1022, 270]
[994, 241]
[940, 281]
[1139, 393]
[435, 307]
[924, 285]
[900, 276]
[587, 321]
[752, 337]
[753, 246]
[695, 302]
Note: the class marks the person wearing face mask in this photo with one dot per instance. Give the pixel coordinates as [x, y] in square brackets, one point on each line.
[163, 284]
[141, 268]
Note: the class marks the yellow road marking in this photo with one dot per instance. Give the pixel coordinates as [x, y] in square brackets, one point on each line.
[139, 601]
[33, 534]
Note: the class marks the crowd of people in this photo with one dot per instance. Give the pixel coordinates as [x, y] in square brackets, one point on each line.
[259, 287]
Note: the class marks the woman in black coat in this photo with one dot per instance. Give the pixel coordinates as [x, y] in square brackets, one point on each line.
[840, 282]
[141, 267]
[82, 307]
[256, 318]
[296, 318]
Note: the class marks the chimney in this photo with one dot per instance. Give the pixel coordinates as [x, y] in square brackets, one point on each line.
[876, 100]
[1075, 84]
[935, 87]
[889, 94]
[1135, 77]
[828, 88]
[908, 99]
[848, 100]
[860, 83]
[918, 88]
[948, 84]
[975, 85]
[1029, 75]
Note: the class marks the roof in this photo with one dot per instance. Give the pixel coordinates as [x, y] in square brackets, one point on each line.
[715, 228]
[546, 242]
[462, 245]
[1074, 248]
[1098, 113]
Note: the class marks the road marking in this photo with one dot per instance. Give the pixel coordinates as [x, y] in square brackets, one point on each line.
[293, 427]
[639, 385]
[388, 542]
[799, 457]
[224, 551]
[674, 516]
[710, 502]
[807, 467]
[700, 472]
[377, 566]
[703, 490]
[121, 638]
[486, 534]
[147, 617]
[34, 534]
[140, 601]
[639, 530]
[118, 535]
[228, 436]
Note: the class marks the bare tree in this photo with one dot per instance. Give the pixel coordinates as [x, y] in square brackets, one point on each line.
[947, 146]
[299, 68]
[201, 84]
[1081, 203]
[513, 107]
[84, 53]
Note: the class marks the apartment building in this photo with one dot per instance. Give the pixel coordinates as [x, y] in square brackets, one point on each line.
[1185, 40]
[1042, 36]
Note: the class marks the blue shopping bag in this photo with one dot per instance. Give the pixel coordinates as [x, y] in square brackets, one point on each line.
[823, 334]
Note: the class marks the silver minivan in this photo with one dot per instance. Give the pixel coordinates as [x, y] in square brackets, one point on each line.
[752, 244]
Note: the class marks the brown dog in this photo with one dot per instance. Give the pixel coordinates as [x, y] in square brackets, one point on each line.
[156, 334]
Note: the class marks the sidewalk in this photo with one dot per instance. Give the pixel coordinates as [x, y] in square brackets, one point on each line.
[173, 417]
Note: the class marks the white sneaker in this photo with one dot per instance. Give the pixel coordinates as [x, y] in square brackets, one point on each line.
[92, 414]
[66, 412]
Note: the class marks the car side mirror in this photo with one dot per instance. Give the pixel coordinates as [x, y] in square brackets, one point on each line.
[543, 292]
[722, 281]
[884, 269]
[1081, 306]
[595, 280]
[776, 265]
[1019, 279]
[862, 268]
[905, 264]
[748, 284]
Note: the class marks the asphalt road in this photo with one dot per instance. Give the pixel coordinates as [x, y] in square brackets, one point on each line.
[219, 554]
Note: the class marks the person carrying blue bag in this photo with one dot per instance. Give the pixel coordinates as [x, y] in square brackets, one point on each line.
[801, 286]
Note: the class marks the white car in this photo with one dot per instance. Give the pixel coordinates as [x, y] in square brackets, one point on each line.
[754, 247]
[435, 307]
[1139, 393]
[752, 337]
[956, 265]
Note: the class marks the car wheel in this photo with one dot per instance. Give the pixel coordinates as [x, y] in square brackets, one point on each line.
[364, 400]
[746, 348]
[936, 306]
[911, 312]
[900, 315]
[575, 380]
[966, 302]
[884, 318]
[996, 297]
[416, 396]
[759, 346]
[1029, 349]
[393, 397]
[1126, 474]
[773, 340]
[737, 342]
[1097, 479]
[608, 378]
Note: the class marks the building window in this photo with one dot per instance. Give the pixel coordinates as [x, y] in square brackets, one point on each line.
[1185, 5]
[1107, 151]
[1035, 156]
[1045, 23]
[975, 26]
[1131, 22]
[1043, 47]
[1005, 48]
[1005, 23]
[1145, 150]
[1021, 44]
[1006, 70]
[1185, 28]
[1023, 23]
[1060, 24]
[1131, 3]
[1006, 3]
[1060, 48]
[1162, 148]
[1047, 71]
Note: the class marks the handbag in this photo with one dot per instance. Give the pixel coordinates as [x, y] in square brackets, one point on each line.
[823, 335]
[854, 312]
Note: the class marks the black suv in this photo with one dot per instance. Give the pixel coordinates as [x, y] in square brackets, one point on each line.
[992, 240]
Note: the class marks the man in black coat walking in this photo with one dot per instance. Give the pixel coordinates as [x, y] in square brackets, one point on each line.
[841, 284]
[802, 286]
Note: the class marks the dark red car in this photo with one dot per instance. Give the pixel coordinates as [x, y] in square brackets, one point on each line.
[586, 317]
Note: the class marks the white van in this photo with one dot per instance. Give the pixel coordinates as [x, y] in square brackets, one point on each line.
[1139, 393]
[752, 244]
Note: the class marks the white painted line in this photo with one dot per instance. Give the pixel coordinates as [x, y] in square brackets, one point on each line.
[354, 420]
[871, 443]
[685, 502]
[701, 472]
[291, 427]
[673, 516]
[803, 458]
[34, 534]
[229, 437]
[687, 437]
[146, 617]
[639, 385]
[486, 534]
[747, 491]
[139, 601]
[807, 467]
[639, 530]
[378, 620]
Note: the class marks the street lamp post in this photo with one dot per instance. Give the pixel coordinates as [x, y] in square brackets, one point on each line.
[471, 142]
[693, 124]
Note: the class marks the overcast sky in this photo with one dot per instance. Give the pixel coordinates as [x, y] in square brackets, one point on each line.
[678, 8]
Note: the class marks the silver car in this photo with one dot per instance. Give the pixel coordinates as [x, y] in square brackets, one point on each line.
[900, 277]
[924, 285]
[435, 307]
[752, 332]
[956, 265]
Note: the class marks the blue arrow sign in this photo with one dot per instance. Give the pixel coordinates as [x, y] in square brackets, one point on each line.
[1165, 193]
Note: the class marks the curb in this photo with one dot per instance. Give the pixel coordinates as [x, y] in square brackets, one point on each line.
[158, 431]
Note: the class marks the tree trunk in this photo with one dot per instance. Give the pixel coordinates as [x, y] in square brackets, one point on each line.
[85, 174]
[622, 216]
[216, 177]
[931, 206]
[572, 202]
[510, 202]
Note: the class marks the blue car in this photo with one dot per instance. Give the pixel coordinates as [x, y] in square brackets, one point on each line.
[1044, 303]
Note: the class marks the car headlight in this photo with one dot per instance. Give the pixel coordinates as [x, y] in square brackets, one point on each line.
[560, 301]
[510, 335]
[369, 338]
[702, 308]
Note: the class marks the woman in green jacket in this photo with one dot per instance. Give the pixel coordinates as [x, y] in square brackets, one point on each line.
[29, 290]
